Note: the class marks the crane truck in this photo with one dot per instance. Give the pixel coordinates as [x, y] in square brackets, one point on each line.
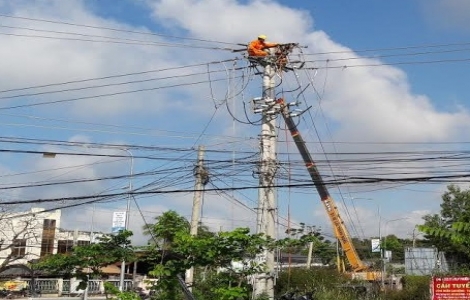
[359, 270]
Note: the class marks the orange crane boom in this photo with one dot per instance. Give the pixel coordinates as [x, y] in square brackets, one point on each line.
[341, 232]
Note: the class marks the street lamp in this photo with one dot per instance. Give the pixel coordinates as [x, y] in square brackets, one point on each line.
[128, 208]
[383, 250]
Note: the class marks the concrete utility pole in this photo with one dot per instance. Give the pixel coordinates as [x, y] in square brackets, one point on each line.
[267, 209]
[384, 251]
[202, 177]
[309, 256]
[128, 209]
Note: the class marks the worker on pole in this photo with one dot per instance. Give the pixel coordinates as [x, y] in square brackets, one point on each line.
[259, 47]
[258, 50]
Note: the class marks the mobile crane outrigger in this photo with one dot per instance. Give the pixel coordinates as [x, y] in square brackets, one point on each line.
[359, 269]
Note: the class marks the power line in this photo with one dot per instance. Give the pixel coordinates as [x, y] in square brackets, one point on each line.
[352, 180]
[116, 42]
[110, 39]
[94, 145]
[107, 94]
[153, 132]
[392, 48]
[109, 84]
[113, 29]
[389, 64]
[114, 76]
[390, 55]
[229, 43]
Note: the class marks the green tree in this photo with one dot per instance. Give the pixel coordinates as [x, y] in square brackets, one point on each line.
[165, 229]
[394, 244]
[211, 253]
[298, 242]
[86, 261]
[223, 261]
[449, 230]
[363, 248]
[326, 252]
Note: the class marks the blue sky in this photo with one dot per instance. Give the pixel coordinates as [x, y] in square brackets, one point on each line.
[414, 102]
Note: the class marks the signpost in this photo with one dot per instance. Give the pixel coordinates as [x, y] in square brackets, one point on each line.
[119, 221]
[450, 288]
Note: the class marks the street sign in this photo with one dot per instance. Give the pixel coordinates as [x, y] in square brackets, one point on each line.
[450, 288]
[119, 221]
[375, 245]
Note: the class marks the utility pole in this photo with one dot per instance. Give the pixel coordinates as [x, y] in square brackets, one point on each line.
[414, 236]
[128, 209]
[384, 250]
[267, 209]
[269, 108]
[202, 177]
[309, 256]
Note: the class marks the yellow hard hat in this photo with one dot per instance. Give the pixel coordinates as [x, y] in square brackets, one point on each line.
[262, 36]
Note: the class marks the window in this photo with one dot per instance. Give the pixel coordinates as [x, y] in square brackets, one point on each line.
[64, 246]
[48, 235]
[83, 243]
[49, 224]
[19, 248]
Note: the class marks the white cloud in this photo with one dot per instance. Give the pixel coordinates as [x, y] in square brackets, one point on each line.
[369, 103]
[35, 61]
[376, 103]
[373, 100]
[232, 21]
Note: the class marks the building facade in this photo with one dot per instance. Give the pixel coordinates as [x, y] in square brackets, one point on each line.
[28, 236]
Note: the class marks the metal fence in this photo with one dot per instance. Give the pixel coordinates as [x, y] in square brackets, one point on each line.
[128, 285]
[95, 286]
[44, 285]
[64, 286]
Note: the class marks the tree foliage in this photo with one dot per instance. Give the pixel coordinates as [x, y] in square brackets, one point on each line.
[165, 229]
[449, 230]
[225, 259]
[86, 261]
[297, 241]
[113, 293]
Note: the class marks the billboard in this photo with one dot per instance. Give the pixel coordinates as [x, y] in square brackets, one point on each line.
[424, 261]
[450, 288]
[119, 221]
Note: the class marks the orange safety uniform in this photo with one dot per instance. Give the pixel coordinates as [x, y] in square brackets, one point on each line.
[256, 48]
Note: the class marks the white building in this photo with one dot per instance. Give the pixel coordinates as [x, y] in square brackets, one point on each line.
[26, 236]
